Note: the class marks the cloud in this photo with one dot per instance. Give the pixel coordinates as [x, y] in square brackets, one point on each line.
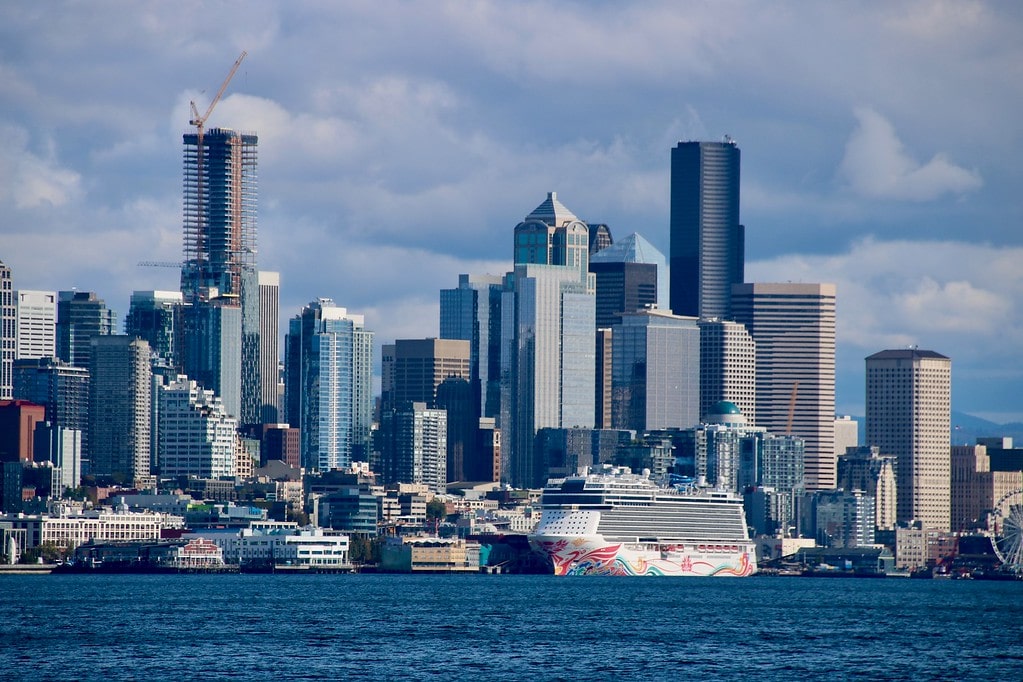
[964, 300]
[401, 142]
[876, 165]
[30, 180]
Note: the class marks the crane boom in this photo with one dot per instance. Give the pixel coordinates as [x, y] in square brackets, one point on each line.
[198, 121]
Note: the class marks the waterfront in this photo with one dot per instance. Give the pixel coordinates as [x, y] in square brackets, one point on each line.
[525, 627]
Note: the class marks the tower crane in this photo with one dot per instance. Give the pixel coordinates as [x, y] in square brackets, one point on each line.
[200, 121]
[200, 127]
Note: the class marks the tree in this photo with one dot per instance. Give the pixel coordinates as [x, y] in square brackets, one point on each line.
[435, 509]
[48, 551]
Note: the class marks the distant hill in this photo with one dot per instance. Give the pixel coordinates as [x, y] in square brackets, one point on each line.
[966, 429]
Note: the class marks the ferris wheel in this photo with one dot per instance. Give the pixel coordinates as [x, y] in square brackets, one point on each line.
[1007, 518]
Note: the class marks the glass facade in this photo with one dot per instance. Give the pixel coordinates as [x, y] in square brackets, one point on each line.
[655, 372]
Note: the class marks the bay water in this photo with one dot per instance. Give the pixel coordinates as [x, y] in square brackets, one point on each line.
[448, 627]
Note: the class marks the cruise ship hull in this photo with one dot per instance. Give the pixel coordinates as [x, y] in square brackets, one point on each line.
[592, 555]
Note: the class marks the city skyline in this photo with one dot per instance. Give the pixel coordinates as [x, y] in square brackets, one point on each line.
[880, 155]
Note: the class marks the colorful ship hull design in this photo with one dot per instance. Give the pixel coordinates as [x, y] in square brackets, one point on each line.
[619, 523]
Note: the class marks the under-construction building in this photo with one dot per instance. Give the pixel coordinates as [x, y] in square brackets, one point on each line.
[219, 212]
[219, 268]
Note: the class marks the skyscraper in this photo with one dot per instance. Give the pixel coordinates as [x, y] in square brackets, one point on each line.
[269, 352]
[61, 388]
[793, 326]
[37, 323]
[422, 446]
[413, 371]
[81, 316]
[418, 367]
[195, 435]
[909, 408]
[219, 268]
[707, 241]
[156, 317]
[219, 212]
[8, 331]
[472, 312]
[728, 367]
[119, 408]
[631, 275]
[865, 468]
[547, 337]
[655, 372]
[602, 376]
[212, 348]
[329, 374]
[553, 235]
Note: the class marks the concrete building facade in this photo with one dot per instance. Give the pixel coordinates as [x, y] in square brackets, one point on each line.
[195, 434]
[909, 407]
[793, 327]
[728, 367]
[36, 313]
[269, 346]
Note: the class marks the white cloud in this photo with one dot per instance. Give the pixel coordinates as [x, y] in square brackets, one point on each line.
[29, 180]
[958, 298]
[877, 165]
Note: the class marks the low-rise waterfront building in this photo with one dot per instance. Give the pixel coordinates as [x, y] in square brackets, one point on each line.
[918, 548]
[429, 555]
[282, 543]
[66, 527]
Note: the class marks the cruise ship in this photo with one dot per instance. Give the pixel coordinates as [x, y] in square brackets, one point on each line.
[619, 523]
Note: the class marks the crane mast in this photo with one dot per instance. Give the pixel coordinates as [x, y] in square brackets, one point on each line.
[200, 191]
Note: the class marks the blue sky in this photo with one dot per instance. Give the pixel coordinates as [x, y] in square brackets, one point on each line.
[400, 143]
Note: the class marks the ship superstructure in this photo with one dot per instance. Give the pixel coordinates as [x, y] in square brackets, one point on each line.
[616, 522]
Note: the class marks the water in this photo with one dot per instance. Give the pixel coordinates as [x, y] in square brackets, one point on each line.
[157, 627]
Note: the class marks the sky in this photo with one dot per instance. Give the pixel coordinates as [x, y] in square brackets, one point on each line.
[401, 142]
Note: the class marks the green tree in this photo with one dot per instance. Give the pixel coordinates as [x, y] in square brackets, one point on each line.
[435, 509]
[48, 551]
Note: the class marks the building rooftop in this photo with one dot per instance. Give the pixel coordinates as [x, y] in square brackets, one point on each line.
[552, 212]
[725, 407]
[632, 249]
[906, 354]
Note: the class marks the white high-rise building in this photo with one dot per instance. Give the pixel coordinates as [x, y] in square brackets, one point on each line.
[269, 350]
[847, 434]
[909, 415]
[793, 326]
[36, 313]
[195, 434]
[728, 367]
[422, 446]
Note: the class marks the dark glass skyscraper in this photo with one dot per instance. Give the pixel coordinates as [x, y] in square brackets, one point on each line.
[81, 316]
[627, 273]
[707, 241]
